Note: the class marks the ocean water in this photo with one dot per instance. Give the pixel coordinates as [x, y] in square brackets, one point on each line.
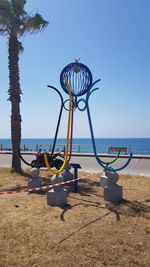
[84, 145]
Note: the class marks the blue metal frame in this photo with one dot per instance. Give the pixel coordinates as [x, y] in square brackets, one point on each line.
[85, 86]
[79, 78]
[93, 139]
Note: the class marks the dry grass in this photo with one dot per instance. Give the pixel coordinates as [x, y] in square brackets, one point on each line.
[87, 232]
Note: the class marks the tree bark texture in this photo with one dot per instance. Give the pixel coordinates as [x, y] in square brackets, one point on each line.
[14, 97]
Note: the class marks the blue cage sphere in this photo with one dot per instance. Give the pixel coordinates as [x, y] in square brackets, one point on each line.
[79, 78]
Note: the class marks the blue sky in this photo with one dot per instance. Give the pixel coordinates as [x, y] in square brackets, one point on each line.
[111, 37]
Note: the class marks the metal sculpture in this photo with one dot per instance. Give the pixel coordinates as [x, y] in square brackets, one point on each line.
[39, 161]
[67, 138]
[51, 160]
[76, 80]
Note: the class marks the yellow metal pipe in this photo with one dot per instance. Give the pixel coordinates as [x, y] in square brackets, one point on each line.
[67, 138]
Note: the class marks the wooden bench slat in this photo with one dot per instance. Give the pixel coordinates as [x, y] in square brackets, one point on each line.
[116, 149]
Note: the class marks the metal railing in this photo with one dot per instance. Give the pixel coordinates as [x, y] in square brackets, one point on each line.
[81, 148]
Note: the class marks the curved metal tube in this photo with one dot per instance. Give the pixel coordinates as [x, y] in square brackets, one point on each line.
[110, 162]
[117, 156]
[29, 164]
[59, 118]
[58, 124]
[71, 133]
[93, 140]
[56, 133]
[67, 138]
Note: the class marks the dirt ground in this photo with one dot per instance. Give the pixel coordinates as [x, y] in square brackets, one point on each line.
[88, 231]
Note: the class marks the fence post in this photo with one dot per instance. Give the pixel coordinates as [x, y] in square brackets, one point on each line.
[75, 184]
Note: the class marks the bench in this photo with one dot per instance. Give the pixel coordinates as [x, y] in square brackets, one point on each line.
[116, 149]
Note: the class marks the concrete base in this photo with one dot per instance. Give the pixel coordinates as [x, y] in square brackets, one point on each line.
[109, 178]
[57, 179]
[67, 175]
[34, 182]
[113, 193]
[104, 181]
[57, 197]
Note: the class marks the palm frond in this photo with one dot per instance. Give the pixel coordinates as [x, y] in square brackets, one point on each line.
[5, 8]
[35, 23]
[5, 12]
[18, 7]
[20, 46]
[4, 31]
[12, 13]
[15, 18]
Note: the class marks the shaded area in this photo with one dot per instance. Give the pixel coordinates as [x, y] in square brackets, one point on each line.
[85, 200]
[45, 181]
[85, 187]
[68, 206]
[128, 208]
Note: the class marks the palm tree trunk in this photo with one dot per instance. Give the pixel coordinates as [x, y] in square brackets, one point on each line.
[14, 97]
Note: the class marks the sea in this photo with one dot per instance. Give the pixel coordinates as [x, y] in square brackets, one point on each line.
[83, 145]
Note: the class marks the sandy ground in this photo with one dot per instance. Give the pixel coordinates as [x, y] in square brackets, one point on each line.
[88, 231]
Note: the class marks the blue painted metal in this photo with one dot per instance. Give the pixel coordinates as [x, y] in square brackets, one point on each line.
[93, 138]
[79, 78]
[75, 184]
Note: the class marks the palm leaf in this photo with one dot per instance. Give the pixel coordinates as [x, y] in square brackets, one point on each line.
[14, 17]
[5, 12]
[3, 31]
[5, 8]
[18, 7]
[14, 21]
[35, 23]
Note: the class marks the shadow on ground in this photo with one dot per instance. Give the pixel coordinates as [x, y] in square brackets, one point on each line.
[128, 208]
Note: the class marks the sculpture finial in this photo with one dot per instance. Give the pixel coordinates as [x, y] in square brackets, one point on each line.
[77, 60]
[76, 68]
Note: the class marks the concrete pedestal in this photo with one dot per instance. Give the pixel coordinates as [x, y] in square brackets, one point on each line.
[67, 175]
[34, 182]
[109, 178]
[113, 193]
[57, 179]
[57, 197]
[104, 181]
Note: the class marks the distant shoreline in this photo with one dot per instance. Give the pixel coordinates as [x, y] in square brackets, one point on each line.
[35, 138]
[83, 145]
